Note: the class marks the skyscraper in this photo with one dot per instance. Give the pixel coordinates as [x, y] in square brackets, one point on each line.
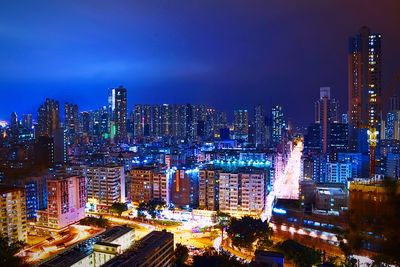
[364, 70]
[241, 123]
[138, 121]
[118, 108]
[325, 114]
[27, 121]
[71, 120]
[278, 124]
[48, 118]
[259, 125]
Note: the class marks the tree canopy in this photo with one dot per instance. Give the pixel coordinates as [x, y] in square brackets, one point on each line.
[246, 231]
[8, 251]
[119, 208]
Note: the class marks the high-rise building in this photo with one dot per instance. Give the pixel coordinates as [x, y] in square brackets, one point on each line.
[118, 108]
[338, 172]
[105, 185]
[141, 188]
[71, 120]
[48, 118]
[242, 193]
[148, 184]
[312, 140]
[325, 114]
[184, 189]
[338, 139]
[259, 125]
[27, 121]
[241, 123]
[137, 121]
[392, 129]
[13, 214]
[147, 120]
[61, 145]
[66, 200]
[278, 124]
[208, 189]
[85, 122]
[35, 193]
[160, 187]
[44, 152]
[156, 114]
[364, 68]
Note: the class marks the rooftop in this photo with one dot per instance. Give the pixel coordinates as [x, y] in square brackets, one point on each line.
[146, 246]
[111, 234]
[67, 258]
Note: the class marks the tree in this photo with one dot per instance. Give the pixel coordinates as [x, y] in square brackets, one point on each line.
[301, 255]
[97, 222]
[223, 221]
[181, 255]
[119, 208]
[155, 207]
[211, 258]
[246, 231]
[8, 251]
[141, 210]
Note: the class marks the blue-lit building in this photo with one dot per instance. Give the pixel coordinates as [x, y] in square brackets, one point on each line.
[392, 165]
[35, 192]
[312, 140]
[392, 125]
[359, 163]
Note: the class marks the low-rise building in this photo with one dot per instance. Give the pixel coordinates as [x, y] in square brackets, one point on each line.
[155, 249]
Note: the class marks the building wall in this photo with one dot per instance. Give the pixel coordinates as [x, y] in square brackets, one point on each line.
[105, 185]
[66, 202]
[13, 214]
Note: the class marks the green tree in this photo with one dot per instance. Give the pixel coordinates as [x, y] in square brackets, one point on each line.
[97, 222]
[212, 258]
[155, 207]
[119, 208]
[246, 231]
[181, 255]
[223, 220]
[8, 251]
[301, 255]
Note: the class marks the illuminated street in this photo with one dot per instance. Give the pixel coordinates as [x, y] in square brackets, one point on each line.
[68, 238]
[286, 185]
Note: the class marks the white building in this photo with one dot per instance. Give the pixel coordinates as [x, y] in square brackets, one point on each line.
[105, 185]
[242, 193]
[338, 172]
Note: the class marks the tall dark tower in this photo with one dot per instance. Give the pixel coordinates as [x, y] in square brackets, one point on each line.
[325, 114]
[118, 109]
[71, 120]
[48, 118]
[364, 83]
[259, 125]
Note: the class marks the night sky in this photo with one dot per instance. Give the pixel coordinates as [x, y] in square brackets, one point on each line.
[228, 54]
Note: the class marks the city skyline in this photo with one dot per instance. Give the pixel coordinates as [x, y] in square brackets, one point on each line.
[200, 133]
[235, 56]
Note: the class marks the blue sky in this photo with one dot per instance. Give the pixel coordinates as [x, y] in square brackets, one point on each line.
[229, 54]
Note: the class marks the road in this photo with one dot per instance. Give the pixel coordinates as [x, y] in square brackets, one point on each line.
[68, 238]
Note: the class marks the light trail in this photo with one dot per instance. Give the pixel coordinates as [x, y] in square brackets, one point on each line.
[286, 184]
